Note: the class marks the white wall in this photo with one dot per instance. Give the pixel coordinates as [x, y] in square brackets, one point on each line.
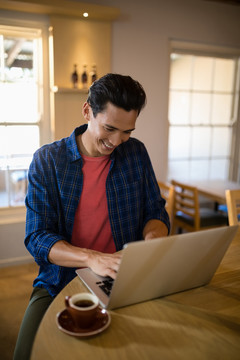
[140, 42]
[12, 249]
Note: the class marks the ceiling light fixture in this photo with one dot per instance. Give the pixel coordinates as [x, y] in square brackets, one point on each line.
[85, 14]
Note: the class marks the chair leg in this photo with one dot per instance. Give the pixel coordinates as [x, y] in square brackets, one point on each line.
[173, 229]
[180, 230]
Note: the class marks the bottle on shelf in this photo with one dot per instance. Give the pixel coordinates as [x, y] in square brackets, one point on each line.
[84, 77]
[74, 77]
[93, 73]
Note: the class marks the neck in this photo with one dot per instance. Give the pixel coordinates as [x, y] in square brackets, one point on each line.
[81, 141]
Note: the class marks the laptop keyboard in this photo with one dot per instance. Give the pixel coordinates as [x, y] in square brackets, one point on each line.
[106, 285]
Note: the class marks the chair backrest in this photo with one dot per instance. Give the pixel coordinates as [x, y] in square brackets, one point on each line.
[233, 206]
[186, 201]
[167, 192]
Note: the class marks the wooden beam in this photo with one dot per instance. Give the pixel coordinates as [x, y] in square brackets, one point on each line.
[14, 51]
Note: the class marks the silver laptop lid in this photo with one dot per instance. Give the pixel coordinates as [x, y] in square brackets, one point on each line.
[159, 267]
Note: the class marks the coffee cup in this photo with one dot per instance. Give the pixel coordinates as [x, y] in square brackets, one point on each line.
[82, 308]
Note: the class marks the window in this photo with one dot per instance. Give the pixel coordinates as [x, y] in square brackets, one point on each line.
[23, 111]
[202, 115]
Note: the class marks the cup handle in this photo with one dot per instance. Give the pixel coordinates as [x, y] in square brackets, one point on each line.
[67, 298]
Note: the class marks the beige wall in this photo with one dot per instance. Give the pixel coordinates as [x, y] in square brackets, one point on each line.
[68, 112]
[79, 42]
[76, 42]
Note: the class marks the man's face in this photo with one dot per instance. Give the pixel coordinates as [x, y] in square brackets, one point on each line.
[108, 129]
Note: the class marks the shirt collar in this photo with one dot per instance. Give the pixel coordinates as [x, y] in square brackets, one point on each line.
[71, 143]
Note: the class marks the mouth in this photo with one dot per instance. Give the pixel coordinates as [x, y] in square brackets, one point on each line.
[107, 146]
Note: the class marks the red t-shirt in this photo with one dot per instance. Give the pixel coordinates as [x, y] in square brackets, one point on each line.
[91, 227]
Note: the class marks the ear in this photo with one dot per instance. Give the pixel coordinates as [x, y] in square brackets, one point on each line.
[86, 111]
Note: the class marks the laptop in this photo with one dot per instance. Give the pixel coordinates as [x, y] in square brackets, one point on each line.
[160, 267]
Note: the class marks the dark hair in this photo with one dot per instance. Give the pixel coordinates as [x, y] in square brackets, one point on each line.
[120, 90]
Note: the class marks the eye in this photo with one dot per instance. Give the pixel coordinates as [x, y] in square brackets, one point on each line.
[109, 129]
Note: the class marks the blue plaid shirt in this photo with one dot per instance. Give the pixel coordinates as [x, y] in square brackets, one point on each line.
[55, 185]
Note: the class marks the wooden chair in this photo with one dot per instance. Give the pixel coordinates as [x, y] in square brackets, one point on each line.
[167, 192]
[187, 213]
[233, 206]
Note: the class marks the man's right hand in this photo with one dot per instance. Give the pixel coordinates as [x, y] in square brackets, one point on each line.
[64, 254]
[104, 264]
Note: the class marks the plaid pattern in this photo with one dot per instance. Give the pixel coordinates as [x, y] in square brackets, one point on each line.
[55, 185]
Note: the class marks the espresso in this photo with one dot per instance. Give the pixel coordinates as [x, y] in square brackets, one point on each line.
[84, 303]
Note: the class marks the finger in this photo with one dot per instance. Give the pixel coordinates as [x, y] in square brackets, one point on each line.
[118, 259]
[114, 268]
[112, 274]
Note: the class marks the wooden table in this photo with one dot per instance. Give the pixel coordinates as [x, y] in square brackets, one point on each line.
[213, 189]
[199, 324]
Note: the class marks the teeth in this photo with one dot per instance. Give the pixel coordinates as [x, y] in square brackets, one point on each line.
[109, 147]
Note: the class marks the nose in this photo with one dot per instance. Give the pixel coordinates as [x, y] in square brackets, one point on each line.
[118, 138]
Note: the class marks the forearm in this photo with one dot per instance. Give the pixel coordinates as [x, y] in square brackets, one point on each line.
[64, 254]
[154, 229]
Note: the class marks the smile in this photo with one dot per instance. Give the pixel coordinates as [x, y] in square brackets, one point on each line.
[110, 147]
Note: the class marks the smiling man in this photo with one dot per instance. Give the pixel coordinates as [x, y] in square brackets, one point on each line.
[107, 130]
[88, 195]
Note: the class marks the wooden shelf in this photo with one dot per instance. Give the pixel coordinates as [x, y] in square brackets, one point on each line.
[66, 90]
